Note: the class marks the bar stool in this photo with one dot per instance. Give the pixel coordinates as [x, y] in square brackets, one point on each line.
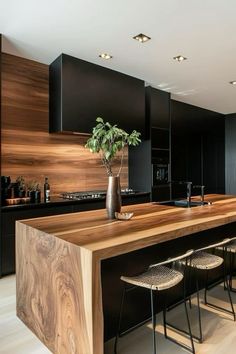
[231, 250]
[160, 276]
[201, 260]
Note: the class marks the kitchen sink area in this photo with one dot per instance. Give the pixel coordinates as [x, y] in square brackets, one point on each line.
[183, 203]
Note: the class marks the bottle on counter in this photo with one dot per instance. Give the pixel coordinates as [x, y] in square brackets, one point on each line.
[46, 190]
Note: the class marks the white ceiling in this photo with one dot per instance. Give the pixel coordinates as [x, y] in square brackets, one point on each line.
[202, 30]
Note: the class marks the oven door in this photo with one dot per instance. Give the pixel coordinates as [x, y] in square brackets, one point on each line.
[160, 174]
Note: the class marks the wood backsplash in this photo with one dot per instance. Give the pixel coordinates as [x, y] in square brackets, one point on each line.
[27, 147]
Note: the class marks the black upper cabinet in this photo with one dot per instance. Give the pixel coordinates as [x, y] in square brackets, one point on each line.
[81, 91]
[158, 108]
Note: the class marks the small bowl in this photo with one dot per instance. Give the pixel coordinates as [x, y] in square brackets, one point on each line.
[123, 216]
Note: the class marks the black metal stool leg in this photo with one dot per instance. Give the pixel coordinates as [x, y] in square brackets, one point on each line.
[232, 261]
[120, 319]
[206, 287]
[230, 298]
[199, 312]
[164, 316]
[187, 316]
[153, 322]
[173, 327]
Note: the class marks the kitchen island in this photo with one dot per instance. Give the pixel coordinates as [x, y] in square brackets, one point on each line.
[59, 260]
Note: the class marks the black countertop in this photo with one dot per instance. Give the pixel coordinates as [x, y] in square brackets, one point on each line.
[57, 201]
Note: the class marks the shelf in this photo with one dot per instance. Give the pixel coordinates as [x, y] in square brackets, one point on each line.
[160, 149]
[158, 128]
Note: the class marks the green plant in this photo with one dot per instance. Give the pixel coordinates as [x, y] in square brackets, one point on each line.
[108, 140]
[21, 182]
[33, 186]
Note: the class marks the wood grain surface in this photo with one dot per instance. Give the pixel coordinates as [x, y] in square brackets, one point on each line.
[152, 223]
[27, 147]
[58, 261]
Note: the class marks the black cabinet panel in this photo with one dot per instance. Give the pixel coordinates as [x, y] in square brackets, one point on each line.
[158, 107]
[7, 254]
[160, 193]
[156, 149]
[230, 153]
[214, 162]
[197, 141]
[160, 138]
[81, 91]
[8, 220]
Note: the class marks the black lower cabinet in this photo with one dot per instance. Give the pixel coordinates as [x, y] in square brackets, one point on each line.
[8, 254]
[8, 220]
[160, 193]
[9, 217]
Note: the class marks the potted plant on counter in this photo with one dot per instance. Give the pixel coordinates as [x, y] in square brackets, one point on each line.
[108, 140]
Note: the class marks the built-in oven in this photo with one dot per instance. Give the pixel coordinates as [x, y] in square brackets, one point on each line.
[160, 174]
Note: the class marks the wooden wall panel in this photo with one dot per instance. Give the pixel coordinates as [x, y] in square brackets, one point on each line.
[27, 147]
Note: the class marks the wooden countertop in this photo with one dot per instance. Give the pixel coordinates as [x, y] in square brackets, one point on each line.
[58, 264]
[151, 224]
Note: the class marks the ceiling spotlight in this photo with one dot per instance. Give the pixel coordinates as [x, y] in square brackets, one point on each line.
[105, 56]
[233, 82]
[142, 38]
[180, 58]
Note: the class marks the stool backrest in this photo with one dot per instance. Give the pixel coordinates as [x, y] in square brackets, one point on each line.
[174, 259]
[214, 245]
[232, 239]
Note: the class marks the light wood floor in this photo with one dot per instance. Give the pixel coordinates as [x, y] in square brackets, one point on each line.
[219, 329]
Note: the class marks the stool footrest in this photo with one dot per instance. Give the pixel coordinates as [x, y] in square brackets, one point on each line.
[220, 308]
[180, 330]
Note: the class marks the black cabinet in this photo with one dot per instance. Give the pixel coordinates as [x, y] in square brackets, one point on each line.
[230, 153]
[8, 220]
[81, 91]
[158, 108]
[158, 114]
[9, 217]
[149, 163]
[197, 146]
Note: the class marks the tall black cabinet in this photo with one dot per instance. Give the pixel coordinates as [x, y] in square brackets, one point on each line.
[230, 153]
[197, 146]
[149, 164]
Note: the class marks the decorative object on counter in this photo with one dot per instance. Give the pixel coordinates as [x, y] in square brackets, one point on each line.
[34, 192]
[5, 183]
[21, 186]
[123, 216]
[46, 189]
[108, 140]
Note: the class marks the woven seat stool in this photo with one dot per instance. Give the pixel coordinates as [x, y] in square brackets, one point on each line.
[202, 260]
[158, 277]
[230, 250]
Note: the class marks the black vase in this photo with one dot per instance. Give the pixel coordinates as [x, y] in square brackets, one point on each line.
[113, 197]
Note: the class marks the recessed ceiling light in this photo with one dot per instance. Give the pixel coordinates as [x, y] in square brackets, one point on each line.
[142, 38]
[180, 58]
[233, 82]
[105, 56]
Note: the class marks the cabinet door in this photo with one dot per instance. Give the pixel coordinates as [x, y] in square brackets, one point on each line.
[81, 91]
[158, 108]
[161, 193]
[214, 163]
[197, 146]
[8, 220]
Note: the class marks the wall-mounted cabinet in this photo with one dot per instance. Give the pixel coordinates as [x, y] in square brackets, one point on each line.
[81, 91]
